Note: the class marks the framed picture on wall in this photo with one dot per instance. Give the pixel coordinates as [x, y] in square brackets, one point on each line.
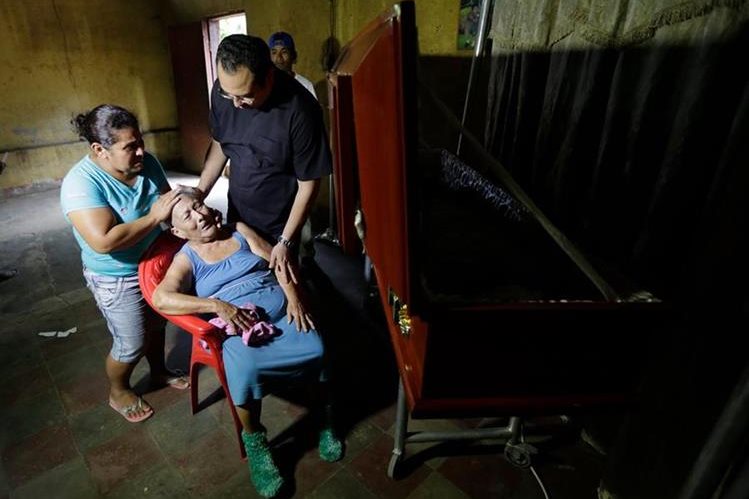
[468, 24]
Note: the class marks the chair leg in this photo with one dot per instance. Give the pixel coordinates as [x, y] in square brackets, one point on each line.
[242, 450]
[237, 423]
[194, 370]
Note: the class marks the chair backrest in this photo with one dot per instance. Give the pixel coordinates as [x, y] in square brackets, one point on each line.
[151, 270]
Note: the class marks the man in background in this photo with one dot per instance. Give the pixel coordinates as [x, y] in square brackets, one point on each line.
[283, 54]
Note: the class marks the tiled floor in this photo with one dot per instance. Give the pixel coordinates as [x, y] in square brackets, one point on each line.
[60, 439]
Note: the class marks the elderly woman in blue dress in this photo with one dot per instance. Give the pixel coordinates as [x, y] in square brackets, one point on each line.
[221, 270]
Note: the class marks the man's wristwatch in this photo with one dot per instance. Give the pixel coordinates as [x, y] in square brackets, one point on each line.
[285, 241]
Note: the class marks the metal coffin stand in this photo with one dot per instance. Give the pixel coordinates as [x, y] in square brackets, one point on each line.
[494, 312]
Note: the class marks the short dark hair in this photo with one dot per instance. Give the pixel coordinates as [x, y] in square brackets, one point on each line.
[99, 124]
[285, 40]
[244, 50]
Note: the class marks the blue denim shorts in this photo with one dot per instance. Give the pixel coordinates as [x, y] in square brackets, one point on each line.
[129, 318]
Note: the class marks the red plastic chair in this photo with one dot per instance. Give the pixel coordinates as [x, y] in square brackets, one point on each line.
[206, 342]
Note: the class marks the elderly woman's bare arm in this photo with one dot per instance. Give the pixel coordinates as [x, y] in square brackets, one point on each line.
[296, 311]
[296, 307]
[258, 245]
[263, 249]
[170, 297]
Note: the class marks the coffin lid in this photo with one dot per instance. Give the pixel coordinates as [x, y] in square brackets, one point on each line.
[381, 64]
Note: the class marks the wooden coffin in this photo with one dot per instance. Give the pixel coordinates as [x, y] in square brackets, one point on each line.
[491, 310]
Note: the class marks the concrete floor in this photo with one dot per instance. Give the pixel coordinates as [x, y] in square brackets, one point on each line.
[60, 439]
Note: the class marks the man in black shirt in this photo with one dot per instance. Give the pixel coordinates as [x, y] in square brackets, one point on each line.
[271, 128]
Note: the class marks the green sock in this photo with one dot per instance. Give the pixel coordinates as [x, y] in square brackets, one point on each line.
[331, 449]
[263, 471]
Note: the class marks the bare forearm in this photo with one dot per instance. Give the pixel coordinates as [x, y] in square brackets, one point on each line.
[303, 200]
[258, 245]
[214, 163]
[123, 236]
[296, 310]
[288, 287]
[261, 248]
[99, 227]
[175, 303]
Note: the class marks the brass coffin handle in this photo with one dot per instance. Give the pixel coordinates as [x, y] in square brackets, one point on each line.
[399, 313]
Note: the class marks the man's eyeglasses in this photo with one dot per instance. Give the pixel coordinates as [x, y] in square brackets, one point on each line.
[242, 98]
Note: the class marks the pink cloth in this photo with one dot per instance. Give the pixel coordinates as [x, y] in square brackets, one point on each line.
[259, 333]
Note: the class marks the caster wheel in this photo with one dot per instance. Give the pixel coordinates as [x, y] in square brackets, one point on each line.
[519, 454]
[395, 460]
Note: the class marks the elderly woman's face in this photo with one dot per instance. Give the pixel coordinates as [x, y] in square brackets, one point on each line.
[191, 219]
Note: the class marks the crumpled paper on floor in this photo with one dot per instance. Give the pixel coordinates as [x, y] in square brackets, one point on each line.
[58, 334]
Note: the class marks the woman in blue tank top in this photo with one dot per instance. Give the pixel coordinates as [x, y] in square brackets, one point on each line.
[221, 270]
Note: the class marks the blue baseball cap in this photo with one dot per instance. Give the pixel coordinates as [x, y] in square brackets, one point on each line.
[282, 38]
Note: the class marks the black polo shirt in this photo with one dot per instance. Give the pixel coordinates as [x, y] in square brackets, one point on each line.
[270, 148]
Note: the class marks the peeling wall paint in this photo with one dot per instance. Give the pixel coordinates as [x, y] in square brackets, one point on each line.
[309, 22]
[62, 57]
[437, 22]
